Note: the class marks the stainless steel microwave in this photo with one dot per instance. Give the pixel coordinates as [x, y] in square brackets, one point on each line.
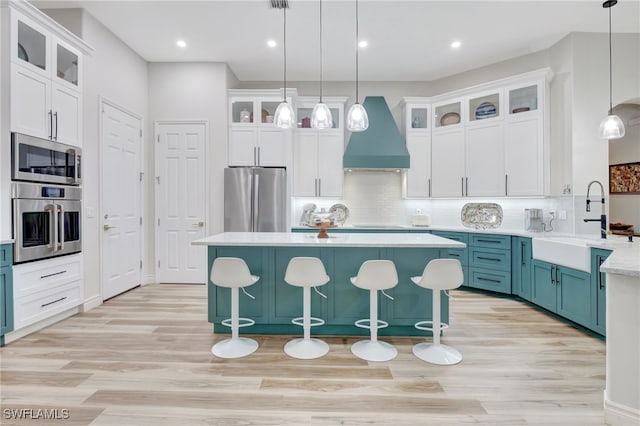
[41, 160]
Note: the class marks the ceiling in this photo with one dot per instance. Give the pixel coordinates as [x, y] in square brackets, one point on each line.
[408, 40]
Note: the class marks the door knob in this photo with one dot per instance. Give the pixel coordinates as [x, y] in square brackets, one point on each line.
[107, 227]
[199, 224]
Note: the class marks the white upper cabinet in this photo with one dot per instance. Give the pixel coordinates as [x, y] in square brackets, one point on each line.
[317, 154]
[253, 138]
[46, 78]
[525, 141]
[448, 163]
[417, 132]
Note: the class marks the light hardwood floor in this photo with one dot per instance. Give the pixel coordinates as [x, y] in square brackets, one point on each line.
[144, 358]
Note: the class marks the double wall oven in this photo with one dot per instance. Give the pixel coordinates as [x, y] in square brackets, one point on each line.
[47, 198]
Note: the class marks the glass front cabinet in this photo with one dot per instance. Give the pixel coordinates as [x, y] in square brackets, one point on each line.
[46, 79]
[253, 138]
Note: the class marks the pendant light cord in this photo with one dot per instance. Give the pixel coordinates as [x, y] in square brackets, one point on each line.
[357, 41]
[610, 68]
[320, 51]
[284, 12]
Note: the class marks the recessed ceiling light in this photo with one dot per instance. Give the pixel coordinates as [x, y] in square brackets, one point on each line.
[456, 44]
[363, 43]
[272, 43]
[181, 43]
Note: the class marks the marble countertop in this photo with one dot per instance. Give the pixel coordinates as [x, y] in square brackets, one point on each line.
[284, 239]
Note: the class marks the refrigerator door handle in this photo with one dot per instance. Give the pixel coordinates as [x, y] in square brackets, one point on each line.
[254, 203]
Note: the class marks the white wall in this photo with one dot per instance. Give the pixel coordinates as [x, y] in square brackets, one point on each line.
[118, 74]
[196, 91]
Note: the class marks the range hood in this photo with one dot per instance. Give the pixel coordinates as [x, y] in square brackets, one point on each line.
[381, 146]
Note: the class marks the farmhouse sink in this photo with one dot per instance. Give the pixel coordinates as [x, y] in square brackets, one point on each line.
[565, 251]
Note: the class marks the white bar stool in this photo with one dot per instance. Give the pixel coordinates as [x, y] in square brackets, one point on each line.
[375, 275]
[439, 274]
[306, 272]
[233, 273]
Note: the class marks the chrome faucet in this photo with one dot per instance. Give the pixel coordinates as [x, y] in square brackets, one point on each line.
[603, 216]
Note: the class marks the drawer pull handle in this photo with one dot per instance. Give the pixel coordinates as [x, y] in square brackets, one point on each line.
[489, 241]
[55, 301]
[51, 275]
[489, 258]
[488, 279]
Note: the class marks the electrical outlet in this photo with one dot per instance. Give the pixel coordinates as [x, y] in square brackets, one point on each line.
[562, 214]
[418, 211]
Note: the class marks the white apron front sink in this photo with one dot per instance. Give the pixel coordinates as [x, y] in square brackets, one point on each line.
[565, 251]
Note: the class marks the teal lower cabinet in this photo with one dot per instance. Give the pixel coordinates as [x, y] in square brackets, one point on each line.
[490, 262]
[456, 253]
[562, 290]
[521, 258]
[6, 291]
[598, 291]
[277, 302]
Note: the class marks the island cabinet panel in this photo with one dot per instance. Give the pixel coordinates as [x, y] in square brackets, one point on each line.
[461, 254]
[349, 303]
[411, 301]
[220, 298]
[287, 299]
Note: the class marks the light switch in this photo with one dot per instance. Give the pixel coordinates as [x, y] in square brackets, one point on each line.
[91, 212]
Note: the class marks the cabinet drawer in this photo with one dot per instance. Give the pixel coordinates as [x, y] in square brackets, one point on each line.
[455, 253]
[6, 255]
[490, 258]
[487, 279]
[490, 241]
[33, 277]
[456, 236]
[41, 305]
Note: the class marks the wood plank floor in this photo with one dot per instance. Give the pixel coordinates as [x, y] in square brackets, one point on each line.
[144, 358]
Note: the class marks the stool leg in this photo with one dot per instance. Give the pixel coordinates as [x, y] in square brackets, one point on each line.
[306, 348]
[236, 346]
[436, 320]
[235, 314]
[306, 312]
[373, 314]
[435, 352]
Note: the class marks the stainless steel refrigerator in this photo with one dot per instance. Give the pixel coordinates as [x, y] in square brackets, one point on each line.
[255, 199]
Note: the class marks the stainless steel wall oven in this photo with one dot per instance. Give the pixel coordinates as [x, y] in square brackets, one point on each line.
[47, 220]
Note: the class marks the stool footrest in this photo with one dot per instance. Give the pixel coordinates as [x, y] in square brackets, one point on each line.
[242, 322]
[314, 321]
[366, 323]
[428, 325]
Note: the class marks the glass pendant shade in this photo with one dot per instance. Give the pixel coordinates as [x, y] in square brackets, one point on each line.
[611, 128]
[357, 118]
[285, 117]
[321, 117]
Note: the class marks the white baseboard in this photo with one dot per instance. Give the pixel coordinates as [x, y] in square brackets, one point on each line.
[149, 279]
[32, 328]
[91, 303]
[620, 415]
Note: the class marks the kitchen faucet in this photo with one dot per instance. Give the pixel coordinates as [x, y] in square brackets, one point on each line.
[603, 216]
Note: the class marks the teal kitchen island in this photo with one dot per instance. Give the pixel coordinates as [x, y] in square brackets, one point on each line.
[276, 303]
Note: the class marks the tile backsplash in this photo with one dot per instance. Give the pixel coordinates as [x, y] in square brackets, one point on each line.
[375, 197]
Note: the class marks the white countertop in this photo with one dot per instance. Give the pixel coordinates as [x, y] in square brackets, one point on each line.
[6, 242]
[275, 239]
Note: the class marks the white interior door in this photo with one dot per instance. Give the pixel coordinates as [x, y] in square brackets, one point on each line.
[181, 199]
[121, 201]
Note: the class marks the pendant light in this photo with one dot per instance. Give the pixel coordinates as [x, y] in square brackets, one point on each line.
[321, 114]
[285, 117]
[357, 118]
[611, 127]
